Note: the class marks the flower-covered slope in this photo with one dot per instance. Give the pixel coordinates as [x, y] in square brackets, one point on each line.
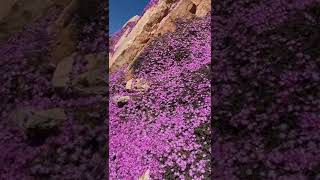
[49, 132]
[165, 128]
[266, 99]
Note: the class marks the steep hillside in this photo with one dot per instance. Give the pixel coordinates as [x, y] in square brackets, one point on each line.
[266, 82]
[160, 119]
[52, 110]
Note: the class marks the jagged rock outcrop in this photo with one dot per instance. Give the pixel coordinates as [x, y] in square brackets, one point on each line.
[156, 21]
[133, 20]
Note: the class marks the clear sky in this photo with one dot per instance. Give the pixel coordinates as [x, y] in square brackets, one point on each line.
[120, 11]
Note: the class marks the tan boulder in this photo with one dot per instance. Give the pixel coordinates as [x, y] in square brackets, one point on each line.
[61, 74]
[92, 81]
[184, 9]
[94, 74]
[37, 122]
[139, 36]
[129, 84]
[137, 85]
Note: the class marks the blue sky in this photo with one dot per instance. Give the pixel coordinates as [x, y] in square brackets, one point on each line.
[120, 11]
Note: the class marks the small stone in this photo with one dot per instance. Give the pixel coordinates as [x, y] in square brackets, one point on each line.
[121, 100]
[129, 84]
[137, 85]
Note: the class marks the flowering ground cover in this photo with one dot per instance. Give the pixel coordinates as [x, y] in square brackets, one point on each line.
[72, 149]
[165, 129]
[265, 102]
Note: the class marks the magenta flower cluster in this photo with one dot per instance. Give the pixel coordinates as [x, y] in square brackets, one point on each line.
[165, 129]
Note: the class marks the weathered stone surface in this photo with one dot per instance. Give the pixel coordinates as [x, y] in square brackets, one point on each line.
[203, 8]
[133, 19]
[129, 84]
[121, 100]
[92, 81]
[145, 176]
[137, 85]
[156, 21]
[89, 78]
[38, 124]
[139, 36]
[95, 61]
[61, 74]
[46, 119]
[183, 9]
[196, 2]
[64, 45]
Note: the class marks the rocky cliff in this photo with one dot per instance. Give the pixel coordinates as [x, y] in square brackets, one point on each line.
[157, 20]
[159, 107]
